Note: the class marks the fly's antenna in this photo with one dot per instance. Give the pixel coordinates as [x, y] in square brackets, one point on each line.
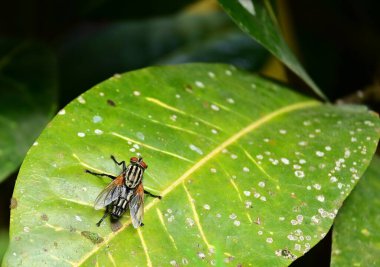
[140, 159]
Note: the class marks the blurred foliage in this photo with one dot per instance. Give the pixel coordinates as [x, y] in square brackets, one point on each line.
[85, 56]
[28, 90]
[3, 242]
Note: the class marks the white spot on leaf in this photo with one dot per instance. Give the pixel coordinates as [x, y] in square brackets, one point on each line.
[321, 198]
[199, 84]
[215, 107]
[97, 119]
[196, 149]
[98, 132]
[81, 100]
[299, 174]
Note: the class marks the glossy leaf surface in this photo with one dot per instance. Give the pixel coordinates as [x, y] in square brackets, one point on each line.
[27, 99]
[250, 172]
[256, 17]
[356, 238]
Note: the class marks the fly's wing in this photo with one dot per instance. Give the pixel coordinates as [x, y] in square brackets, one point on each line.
[136, 206]
[111, 193]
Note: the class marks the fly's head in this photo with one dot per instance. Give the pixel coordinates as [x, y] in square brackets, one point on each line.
[139, 162]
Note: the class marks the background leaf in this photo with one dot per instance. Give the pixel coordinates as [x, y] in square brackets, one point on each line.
[356, 237]
[4, 239]
[241, 163]
[206, 37]
[27, 98]
[256, 17]
[229, 46]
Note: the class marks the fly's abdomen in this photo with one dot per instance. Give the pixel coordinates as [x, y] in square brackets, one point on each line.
[118, 207]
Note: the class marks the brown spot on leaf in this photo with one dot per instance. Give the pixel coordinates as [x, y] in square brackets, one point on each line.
[111, 103]
[44, 217]
[13, 203]
[287, 254]
[93, 237]
[257, 221]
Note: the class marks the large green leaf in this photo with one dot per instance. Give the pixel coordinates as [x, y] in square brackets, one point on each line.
[249, 171]
[27, 99]
[356, 238]
[256, 17]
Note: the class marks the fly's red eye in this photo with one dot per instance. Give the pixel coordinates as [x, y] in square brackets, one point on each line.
[134, 160]
[143, 164]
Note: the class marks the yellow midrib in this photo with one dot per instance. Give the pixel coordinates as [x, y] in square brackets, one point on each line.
[205, 159]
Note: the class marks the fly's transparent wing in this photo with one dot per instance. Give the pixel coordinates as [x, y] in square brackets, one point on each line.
[136, 206]
[111, 193]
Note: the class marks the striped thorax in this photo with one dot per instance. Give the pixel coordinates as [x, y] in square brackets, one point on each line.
[134, 173]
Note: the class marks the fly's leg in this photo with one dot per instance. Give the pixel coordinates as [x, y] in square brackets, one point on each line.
[100, 174]
[122, 163]
[104, 216]
[152, 195]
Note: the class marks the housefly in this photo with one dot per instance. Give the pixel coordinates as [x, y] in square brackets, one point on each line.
[125, 191]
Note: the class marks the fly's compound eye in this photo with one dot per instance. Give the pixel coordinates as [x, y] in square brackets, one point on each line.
[134, 160]
[143, 164]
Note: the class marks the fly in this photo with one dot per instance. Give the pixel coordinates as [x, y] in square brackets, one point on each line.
[125, 191]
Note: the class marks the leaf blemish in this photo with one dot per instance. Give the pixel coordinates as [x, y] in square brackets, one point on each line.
[199, 84]
[44, 217]
[93, 237]
[98, 131]
[111, 103]
[196, 149]
[97, 119]
[13, 203]
[81, 100]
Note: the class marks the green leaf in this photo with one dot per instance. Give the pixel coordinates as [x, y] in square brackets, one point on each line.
[27, 99]
[256, 17]
[123, 46]
[249, 171]
[356, 239]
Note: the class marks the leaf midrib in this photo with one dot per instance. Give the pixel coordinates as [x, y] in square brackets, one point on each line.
[254, 125]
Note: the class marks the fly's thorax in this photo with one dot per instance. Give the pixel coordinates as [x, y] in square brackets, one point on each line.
[133, 175]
